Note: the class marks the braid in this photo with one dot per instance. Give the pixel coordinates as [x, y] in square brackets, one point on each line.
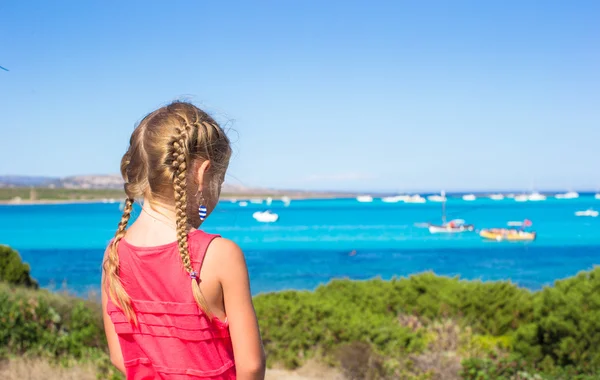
[111, 267]
[180, 146]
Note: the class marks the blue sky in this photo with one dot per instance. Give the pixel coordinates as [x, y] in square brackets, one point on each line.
[371, 95]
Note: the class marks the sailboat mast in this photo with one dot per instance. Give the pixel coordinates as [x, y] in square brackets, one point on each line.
[443, 207]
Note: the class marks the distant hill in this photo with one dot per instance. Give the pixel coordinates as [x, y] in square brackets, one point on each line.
[24, 181]
[73, 182]
[106, 182]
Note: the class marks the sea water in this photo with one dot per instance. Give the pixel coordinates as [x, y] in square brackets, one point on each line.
[315, 241]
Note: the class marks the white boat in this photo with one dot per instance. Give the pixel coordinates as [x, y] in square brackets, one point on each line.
[496, 197]
[469, 197]
[256, 201]
[286, 200]
[597, 196]
[437, 198]
[243, 204]
[415, 199]
[265, 216]
[269, 201]
[452, 227]
[395, 199]
[364, 198]
[536, 197]
[568, 195]
[521, 198]
[590, 212]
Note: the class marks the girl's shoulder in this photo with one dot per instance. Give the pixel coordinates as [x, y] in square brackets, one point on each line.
[224, 255]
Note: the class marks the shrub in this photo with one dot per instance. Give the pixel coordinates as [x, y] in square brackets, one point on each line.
[13, 270]
[565, 330]
[420, 327]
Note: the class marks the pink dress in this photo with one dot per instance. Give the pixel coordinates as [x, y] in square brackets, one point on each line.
[174, 339]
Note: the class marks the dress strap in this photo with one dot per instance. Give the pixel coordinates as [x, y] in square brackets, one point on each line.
[199, 242]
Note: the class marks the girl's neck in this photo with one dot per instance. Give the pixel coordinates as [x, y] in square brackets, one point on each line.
[155, 225]
[159, 213]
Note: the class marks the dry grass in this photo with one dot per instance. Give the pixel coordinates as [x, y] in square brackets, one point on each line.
[312, 370]
[40, 369]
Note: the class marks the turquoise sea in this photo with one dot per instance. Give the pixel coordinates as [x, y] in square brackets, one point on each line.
[313, 241]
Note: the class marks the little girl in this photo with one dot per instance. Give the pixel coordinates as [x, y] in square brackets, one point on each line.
[176, 300]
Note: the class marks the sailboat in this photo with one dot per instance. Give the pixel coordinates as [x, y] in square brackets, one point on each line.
[451, 227]
[567, 195]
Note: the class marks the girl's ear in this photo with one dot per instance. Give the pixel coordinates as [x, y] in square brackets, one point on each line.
[201, 173]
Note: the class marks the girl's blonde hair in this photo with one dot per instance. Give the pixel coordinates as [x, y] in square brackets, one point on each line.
[164, 150]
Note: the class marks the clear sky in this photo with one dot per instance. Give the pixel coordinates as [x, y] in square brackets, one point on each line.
[367, 95]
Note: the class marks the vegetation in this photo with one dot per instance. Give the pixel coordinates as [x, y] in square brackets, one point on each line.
[41, 194]
[428, 326]
[12, 270]
[421, 327]
[57, 194]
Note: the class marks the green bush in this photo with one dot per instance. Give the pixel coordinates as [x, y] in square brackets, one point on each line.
[13, 270]
[418, 327]
[55, 326]
[565, 330]
[297, 325]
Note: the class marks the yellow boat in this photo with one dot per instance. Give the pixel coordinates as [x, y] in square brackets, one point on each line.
[504, 234]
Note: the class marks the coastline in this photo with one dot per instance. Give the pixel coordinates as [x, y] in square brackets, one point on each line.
[51, 202]
[229, 197]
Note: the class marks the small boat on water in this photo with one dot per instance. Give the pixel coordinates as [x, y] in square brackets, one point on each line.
[496, 197]
[437, 198]
[597, 196]
[568, 195]
[415, 199]
[394, 199]
[265, 216]
[256, 201]
[521, 198]
[364, 198]
[536, 197]
[452, 227]
[507, 234]
[533, 197]
[469, 197]
[243, 204]
[589, 213]
[286, 200]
